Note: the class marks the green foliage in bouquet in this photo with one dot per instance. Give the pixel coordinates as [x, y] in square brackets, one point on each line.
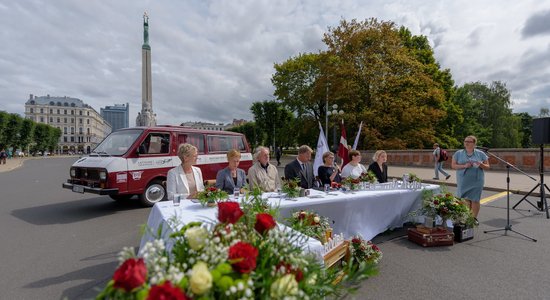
[242, 255]
[447, 206]
[291, 187]
[364, 251]
[351, 183]
[413, 177]
[368, 177]
[310, 224]
[211, 194]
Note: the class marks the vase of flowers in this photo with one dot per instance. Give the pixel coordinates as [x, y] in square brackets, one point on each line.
[243, 254]
[211, 196]
[351, 183]
[311, 224]
[362, 250]
[291, 187]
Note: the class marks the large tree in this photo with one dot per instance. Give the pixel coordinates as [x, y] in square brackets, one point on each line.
[272, 121]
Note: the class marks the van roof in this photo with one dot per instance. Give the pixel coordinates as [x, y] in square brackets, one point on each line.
[181, 128]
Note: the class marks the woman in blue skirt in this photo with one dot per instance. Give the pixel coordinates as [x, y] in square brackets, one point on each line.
[469, 164]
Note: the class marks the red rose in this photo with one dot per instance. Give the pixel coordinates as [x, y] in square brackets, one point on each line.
[356, 241]
[301, 215]
[436, 202]
[298, 274]
[243, 257]
[212, 189]
[166, 291]
[229, 212]
[130, 275]
[264, 222]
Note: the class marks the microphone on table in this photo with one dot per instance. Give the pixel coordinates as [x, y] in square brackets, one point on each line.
[482, 148]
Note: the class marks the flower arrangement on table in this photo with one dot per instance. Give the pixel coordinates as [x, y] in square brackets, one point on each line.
[311, 224]
[447, 206]
[244, 255]
[368, 177]
[291, 187]
[351, 183]
[362, 250]
[211, 195]
[335, 185]
[413, 177]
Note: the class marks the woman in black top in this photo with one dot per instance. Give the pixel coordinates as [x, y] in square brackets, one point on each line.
[329, 172]
[379, 167]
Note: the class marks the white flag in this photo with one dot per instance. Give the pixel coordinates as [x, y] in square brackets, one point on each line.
[322, 147]
[357, 136]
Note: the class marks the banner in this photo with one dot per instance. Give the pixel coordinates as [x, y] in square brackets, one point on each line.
[343, 148]
[357, 137]
[322, 147]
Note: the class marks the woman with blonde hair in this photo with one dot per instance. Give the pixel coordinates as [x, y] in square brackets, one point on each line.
[329, 172]
[185, 179]
[379, 166]
[231, 177]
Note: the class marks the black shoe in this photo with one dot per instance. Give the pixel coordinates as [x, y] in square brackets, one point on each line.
[447, 177]
[435, 178]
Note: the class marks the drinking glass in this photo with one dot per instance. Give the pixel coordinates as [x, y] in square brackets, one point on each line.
[176, 200]
[326, 188]
[236, 193]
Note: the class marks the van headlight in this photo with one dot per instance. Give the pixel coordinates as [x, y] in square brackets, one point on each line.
[73, 172]
[102, 175]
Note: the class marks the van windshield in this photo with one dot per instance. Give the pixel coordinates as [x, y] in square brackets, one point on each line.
[117, 143]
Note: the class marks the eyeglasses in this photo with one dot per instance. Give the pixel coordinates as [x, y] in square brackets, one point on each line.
[468, 141]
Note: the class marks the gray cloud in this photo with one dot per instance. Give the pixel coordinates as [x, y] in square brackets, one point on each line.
[537, 24]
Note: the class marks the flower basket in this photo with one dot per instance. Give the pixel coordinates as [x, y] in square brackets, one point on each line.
[211, 196]
[311, 224]
[291, 187]
[447, 206]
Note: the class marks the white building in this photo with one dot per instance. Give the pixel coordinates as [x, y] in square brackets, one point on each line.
[82, 128]
[205, 126]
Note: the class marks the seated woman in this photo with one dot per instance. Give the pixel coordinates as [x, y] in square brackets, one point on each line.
[231, 177]
[354, 168]
[379, 167]
[329, 172]
[185, 179]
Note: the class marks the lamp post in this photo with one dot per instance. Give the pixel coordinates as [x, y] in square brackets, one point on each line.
[334, 112]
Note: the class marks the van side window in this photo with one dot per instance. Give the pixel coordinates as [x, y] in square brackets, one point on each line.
[194, 139]
[155, 143]
[221, 143]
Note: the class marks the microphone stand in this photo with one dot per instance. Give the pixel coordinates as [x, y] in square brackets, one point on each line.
[508, 226]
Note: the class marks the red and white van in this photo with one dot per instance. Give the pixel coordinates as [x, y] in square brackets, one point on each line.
[135, 161]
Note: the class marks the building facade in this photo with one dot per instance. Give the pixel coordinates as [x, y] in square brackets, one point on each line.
[205, 125]
[82, 128]
[118, 115]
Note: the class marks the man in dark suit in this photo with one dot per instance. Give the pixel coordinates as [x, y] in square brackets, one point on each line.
[301, 168]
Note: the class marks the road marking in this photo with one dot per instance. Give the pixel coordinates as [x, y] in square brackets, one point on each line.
[492, 198]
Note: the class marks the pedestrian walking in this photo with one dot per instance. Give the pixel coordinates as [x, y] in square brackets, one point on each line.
[3, 156]
[439, 158]
[278, 153]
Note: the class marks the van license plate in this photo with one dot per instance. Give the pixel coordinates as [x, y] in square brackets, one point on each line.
[78, 189]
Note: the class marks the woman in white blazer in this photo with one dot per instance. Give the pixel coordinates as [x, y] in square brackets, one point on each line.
[185, 179]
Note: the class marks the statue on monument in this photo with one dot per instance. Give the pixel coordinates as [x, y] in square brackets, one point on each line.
[145, 28]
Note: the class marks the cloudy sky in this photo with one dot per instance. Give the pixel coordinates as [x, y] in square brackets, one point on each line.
[212, 59]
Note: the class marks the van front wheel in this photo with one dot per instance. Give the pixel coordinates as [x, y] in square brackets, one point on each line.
[154, 193]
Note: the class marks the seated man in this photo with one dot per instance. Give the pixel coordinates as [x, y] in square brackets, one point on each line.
[263, 174]
[301, 168]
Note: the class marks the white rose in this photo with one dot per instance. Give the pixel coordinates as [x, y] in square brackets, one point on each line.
[284, 286]
[196, 237]
[201, 279]
[316, 220]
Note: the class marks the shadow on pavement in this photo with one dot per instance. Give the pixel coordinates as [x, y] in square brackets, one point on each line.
[74, 211]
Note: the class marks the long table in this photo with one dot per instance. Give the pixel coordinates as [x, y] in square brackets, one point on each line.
[366, 213]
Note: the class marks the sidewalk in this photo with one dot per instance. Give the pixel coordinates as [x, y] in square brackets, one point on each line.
[12, 164]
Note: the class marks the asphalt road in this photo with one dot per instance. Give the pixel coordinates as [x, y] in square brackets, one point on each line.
[57, 244]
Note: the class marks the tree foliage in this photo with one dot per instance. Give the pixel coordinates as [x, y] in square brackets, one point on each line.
[17, 132]
[272, 121]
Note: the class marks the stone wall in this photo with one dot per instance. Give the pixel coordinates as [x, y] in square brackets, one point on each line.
[525, 159]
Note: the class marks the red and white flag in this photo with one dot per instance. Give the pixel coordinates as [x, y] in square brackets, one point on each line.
[343, 148]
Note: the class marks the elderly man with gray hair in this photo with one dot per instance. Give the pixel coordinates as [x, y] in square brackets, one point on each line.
[263, 174]
[301, 168]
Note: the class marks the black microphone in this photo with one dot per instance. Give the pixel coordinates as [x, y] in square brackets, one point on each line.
[482, 148]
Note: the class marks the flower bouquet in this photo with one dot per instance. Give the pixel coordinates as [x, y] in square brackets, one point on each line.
[291, 187]
[447, 206]
[311, 224]
[413, 177]
[242, 255]
[351, 183]
[368, 177]
[211, 195]
[362, 250]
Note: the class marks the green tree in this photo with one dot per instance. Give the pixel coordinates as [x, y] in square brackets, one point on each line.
[11, 130]
[4, 116]
[54, 134]
[41, 138]
[249, 130]
[26, 133]
[271, 119]
[526, 122]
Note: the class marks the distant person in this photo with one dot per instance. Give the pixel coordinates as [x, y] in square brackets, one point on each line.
[438, 166]
[262, 174]
[329, 172]
[3, 156]
[231, 177]
[354, 168]
[470, 164]
[185, 179]
[301, 168]
[379, 166]
[278, 154]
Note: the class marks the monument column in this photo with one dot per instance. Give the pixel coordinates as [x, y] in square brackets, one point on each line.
[146, 117]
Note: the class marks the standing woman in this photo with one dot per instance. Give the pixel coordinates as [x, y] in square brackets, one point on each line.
[185, 179]
[469, 164]
[379, 166]
[231, 177]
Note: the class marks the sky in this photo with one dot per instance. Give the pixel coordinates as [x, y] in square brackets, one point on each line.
[212, 59]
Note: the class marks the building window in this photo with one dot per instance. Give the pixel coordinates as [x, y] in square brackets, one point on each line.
[64, 130]
[80, 112]
[72, 130]
[41, 110]
[88, 130]
[41, 119]
[88, 113]
[64, 111]
[65, 139]
[51, 120]
[72, 139]
[32, 110]
[51, 111]
[80, 130]
[72, 120]
[65, 120]
[58, 111]
[58, 120]
[80, 121]
[72, 112]
[88, 121]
